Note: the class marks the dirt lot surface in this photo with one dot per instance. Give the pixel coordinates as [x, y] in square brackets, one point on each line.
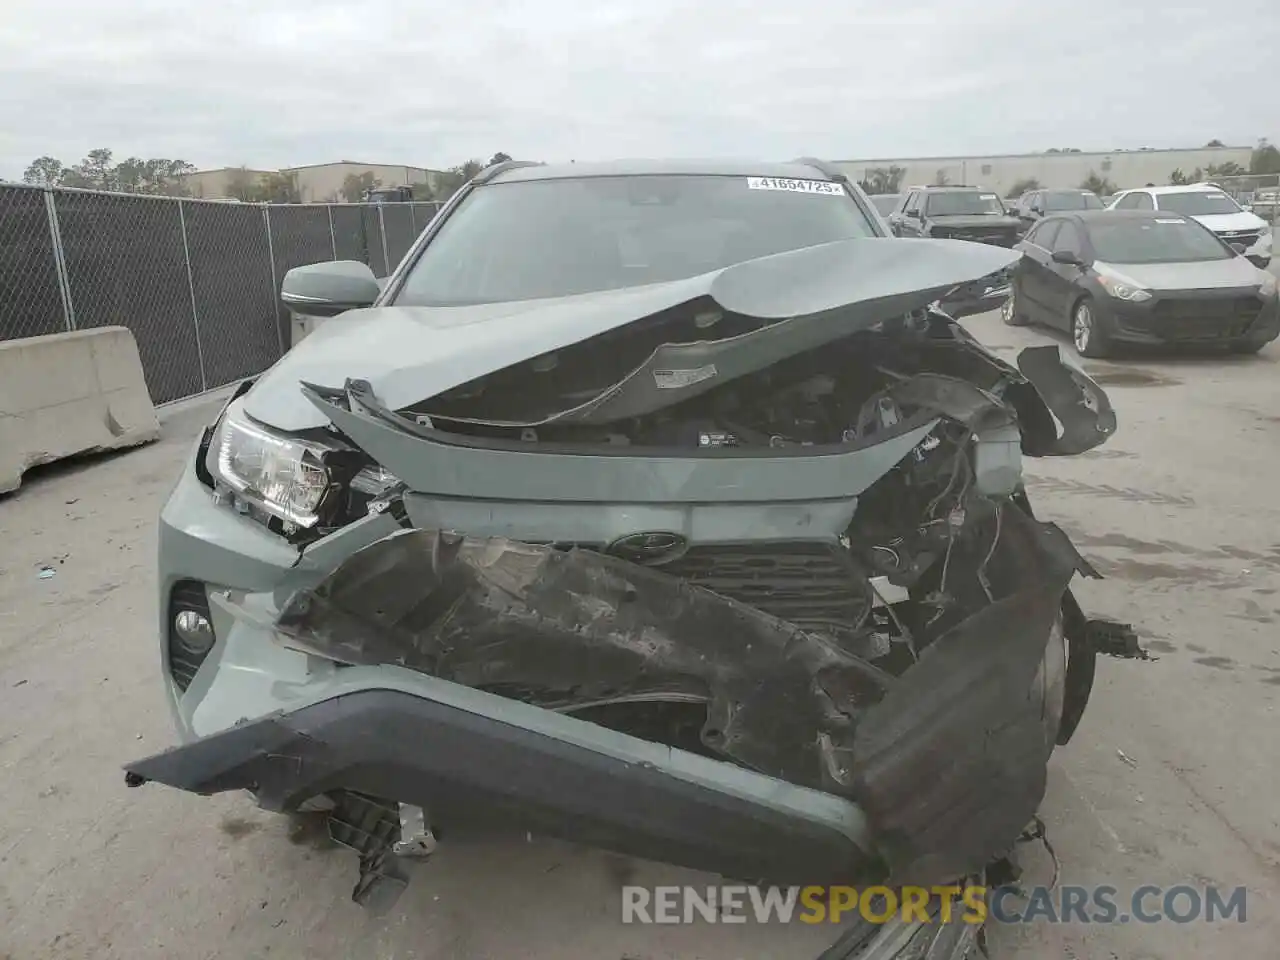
[1171, 779]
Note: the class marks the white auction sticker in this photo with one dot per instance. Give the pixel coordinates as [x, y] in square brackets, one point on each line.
[825, 187]
[677, 379]
[1171, 220]
[989, 196]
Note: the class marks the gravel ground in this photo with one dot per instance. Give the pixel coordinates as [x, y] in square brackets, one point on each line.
[1171, 778]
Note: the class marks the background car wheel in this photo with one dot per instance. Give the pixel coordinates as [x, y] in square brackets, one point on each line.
[1086, 333]
[1009, 312]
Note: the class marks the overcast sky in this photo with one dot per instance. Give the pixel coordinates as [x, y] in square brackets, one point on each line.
[271, 83]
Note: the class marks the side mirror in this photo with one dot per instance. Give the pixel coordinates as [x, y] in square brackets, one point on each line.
[328, 289]
[915, 214]
[1066, 256]
[1239, 248]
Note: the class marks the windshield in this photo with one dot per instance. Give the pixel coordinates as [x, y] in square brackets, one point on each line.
[556, 238]
[1155, 240]
[1056, 200]
[1197, 203]
[964, 203]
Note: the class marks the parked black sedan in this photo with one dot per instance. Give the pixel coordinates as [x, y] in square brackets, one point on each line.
[1140, 276]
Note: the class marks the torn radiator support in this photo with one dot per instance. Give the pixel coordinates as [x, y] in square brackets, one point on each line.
[577, 626]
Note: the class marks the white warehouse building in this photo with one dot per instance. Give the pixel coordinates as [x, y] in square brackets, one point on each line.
[1124, 168]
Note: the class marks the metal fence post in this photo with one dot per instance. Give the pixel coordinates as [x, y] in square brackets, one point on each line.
[191, 286]
[382, 229]
[333, 236]
[60, 261]
[275, 289]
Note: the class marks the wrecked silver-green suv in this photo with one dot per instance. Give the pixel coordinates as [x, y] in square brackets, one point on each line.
[661, 507]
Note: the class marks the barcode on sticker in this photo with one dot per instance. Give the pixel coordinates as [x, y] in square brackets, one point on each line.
[796, 186]
[676, 379]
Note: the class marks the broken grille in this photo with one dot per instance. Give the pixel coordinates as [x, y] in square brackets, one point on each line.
[811, 584]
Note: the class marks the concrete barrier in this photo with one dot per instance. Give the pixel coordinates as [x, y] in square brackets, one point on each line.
[70, 393]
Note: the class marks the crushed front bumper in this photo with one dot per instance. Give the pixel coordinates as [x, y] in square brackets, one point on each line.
[465, 755]
[264, 713]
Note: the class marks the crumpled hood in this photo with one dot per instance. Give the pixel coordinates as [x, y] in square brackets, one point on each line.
[409, 354]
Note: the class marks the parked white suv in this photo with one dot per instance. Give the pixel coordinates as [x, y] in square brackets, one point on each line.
[1211, 207]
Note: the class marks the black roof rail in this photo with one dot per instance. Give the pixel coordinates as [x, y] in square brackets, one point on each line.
[823, 167]
[488, 173]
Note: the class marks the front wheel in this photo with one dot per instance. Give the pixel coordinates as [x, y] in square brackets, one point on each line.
[1009, 311]
[1086, 332]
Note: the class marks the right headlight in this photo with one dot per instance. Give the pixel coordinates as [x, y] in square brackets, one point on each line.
[284, 476]
[1123, 291]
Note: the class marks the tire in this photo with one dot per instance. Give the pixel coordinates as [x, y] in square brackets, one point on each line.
[1009, 311]
[1086, 331]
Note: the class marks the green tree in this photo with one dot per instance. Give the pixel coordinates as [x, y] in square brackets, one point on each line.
[45, 172]
[498, 157]
[277, 187]
[451, 181]
[95, 171]
[1096, 184]
[354, 185]
[157, 176]
[242, 184]
[1177, 178]
[882, 180]
[1228, 169]
[1022, 186]
[1265, 159]
[1214, 143]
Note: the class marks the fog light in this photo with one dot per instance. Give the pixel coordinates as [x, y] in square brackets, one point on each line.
[193, 631]
[191, 638]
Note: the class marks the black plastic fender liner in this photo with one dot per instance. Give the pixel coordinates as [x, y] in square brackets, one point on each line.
[1080, 405]
[465, 766]
[952, 761]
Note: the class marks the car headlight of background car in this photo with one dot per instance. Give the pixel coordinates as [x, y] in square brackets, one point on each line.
[1269, 284]
[1123, 291]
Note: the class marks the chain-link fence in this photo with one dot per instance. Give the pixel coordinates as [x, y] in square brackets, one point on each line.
[196, 281]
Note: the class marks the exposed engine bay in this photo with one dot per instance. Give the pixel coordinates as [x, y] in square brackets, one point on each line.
[786, 657]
